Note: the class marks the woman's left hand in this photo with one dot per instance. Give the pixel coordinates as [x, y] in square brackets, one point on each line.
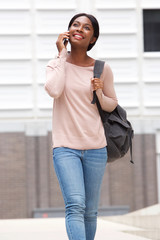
[97, 83]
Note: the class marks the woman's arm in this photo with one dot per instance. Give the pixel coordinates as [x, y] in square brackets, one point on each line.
[55, 71]
[55, 75]
[105, 90]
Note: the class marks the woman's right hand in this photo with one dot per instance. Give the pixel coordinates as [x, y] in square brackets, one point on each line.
[61, 43]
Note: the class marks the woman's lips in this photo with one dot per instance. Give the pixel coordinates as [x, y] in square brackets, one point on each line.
[77, 36]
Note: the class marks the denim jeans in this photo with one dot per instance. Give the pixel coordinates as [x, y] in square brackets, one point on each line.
[80, 174]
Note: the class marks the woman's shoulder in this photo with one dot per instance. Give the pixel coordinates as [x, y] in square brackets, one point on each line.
[107, 71]
[52, 63]
[107, 67]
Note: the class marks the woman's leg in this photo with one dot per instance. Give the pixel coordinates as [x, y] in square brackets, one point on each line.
[94, 163]
[68, 167]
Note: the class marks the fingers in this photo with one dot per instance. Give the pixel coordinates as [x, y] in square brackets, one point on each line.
[64, 36]
[67, 34]
[97, 83]
[62, 40]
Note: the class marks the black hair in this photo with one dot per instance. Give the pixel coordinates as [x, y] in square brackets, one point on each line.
[95, 25]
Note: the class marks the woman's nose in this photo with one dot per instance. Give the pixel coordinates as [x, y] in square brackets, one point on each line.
[80, 28]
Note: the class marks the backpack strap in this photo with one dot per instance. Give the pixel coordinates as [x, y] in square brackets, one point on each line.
[131, 151]
[131, 136]
[98, 69]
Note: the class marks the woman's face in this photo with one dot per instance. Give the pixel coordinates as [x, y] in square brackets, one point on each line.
[81, 32]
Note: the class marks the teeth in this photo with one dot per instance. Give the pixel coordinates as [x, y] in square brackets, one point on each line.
[78, 36]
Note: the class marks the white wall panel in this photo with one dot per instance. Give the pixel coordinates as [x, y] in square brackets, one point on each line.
[41, 71]
[61, 4]
[150, 4]
[45, 113]
[124, 70]
[51, 21]
[16, 114]
[43, 99]
[152, 112]
[16, 4]
[151, 70]
[12, 22]
[15, 72]
[151, 95]
[115, 3]
[16, 97]
[15, 47]
[128, 95]
[45, 103]
[117, 46]
[46, 46]
[117, 21]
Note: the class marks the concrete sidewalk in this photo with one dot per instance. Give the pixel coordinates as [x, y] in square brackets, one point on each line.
[54, 229]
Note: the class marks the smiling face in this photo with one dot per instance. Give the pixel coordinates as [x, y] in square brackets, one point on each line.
[81, 33]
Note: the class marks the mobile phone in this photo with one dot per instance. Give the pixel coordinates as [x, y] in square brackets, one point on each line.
[65, 41]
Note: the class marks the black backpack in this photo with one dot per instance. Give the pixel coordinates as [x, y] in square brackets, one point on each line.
[118, 130]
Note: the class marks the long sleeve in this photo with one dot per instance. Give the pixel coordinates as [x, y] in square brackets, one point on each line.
[107, 96]
[55, 75]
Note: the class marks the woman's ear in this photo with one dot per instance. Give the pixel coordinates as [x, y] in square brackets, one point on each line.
[93, 40]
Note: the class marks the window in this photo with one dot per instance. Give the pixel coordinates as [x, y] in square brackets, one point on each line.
[151, 20]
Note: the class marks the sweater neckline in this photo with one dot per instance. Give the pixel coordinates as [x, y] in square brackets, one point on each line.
[79, 66]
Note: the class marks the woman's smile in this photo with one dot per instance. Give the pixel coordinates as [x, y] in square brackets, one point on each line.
[78, 36]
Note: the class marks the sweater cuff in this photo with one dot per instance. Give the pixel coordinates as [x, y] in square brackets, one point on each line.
[63, 54]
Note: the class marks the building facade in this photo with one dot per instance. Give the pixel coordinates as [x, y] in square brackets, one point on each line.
[28, 32]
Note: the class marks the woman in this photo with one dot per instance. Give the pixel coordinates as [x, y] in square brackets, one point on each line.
[79, 143]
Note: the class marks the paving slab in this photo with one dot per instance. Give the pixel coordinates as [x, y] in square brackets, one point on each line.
[54, 229]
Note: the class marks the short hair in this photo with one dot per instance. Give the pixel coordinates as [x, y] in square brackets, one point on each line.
[95, 25]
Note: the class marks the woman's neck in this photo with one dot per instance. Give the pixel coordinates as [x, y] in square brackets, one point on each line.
[79, 57]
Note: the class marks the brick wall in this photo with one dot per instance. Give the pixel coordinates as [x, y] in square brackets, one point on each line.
[28, 180]
[13, 187]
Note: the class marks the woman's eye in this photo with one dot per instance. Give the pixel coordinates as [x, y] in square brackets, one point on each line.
[87, 28]
[75, 25]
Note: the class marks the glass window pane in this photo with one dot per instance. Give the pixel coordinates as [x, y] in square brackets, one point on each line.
[151, 20]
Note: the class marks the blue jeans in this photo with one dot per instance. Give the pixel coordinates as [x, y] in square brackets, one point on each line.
[80, 176]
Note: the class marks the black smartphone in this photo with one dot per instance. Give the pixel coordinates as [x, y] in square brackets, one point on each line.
[65, 41]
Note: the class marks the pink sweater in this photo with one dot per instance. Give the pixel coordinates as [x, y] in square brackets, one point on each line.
[76, 122]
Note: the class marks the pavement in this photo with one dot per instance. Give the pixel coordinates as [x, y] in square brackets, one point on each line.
[54, 229]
